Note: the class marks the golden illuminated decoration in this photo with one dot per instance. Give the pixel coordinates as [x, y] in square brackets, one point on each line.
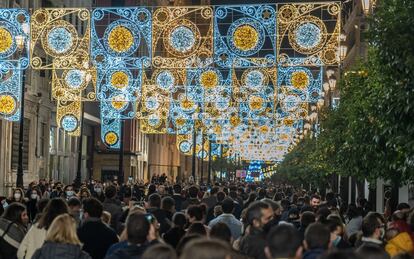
[209, 79]
[299, 79]
[68, 114]
[187, 104]
[7, 104]
[255, 102]
[119, 80]
[65, 48]
[111, 138]
[118, 102]
[6, 40]
[245, 37]
[235, 121]
[120, 39]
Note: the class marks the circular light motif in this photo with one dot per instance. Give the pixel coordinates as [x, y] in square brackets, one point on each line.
[69, 123]
[59, 40]
[235, 121]
[264, 129]
[111, 138]
[185, 146]
[165, 80]
[152, 103]
[187, 104]
[119, 80]
[120, 39]
[75, 78]
[245, 37]
[209, 79]
[180, 121]
[7, 104]
[182, 39]
[308, 35]
[153, 120]
[6, 40]
[254, 79]
[118, 102]
[299, 79]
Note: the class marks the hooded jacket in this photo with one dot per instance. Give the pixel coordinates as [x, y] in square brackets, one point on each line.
[51, 250]
[401, 243]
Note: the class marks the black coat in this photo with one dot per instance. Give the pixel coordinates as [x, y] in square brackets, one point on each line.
[51, 250]
[129, 252]
[253, 244]
[96, 238]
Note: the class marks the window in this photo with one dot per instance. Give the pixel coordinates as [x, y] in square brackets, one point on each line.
[15, 144]
[52, 140]
[41, 151]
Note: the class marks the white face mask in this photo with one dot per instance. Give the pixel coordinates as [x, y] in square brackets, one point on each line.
[98, 190]
[33, 196]
[69, 193]
[17, 196]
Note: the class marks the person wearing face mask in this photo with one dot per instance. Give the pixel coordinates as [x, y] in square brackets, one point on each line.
[373, 230]
[98, 192]
[17, 196]
[68, 192]
[57, 191]
[34, 197]
[259, 215]
[336, 227]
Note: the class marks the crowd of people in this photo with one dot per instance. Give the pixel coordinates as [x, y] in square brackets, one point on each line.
[223, 220]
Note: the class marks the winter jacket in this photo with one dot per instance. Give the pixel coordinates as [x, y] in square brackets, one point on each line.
[313, 253]
[33, 240]
[11, 234]
[253, 244]
[129, 252]
[114, 207]
[51, 250]
[401, 243]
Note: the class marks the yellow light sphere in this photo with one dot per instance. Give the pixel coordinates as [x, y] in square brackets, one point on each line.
[255, 102]
[234, 121]
[119, 80]
[6, 40]
[120, 39]
[245, 37]
[187, 104]
[264, 129]
[111, 138]
[180, 121]
[209, 79]
[7, 104]
[299, 79]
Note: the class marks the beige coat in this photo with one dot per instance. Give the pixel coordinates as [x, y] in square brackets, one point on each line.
[33, 240]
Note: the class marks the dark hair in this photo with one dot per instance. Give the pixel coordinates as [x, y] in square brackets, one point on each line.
[73, 202]
[403, 256]
[206, 249]
[315, 196]
[403, 206]
[275, 206]
[93, 207]
[221, 231]
[195, 211]
[55, 207]
[214, 190]
[227, 205]
[167, 203]
[353, 211]
[41, 204]
[340, 255]
[183, 242]
[307, 218]
[154, 200]
[193, 191]
[179, 220]
[369, 224]
[197, 228]
[283, 241]
[221, 196]
[137, 226]
[159, 251]
[110, 191]
[254, 211]
[372, 252]
[317, 235]
[177, 188]
[14, 212]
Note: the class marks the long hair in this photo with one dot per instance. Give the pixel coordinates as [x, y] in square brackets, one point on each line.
[63, 230]
[54, 208]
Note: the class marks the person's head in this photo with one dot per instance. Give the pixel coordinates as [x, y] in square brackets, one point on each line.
[221, 231]
[353, 211]
[404, 207]
[92, 208]
[16, 213]
[307, 218]
[68, 190]
[336, 228]
[177, 189]
[194, 213]
[63, 230]
[214, 190]
[372, 227]
[84, 193]
[372, 252]
[277, 209]
[179, 220]
[197, 228]
[391, 233]
[184, 241]
[168, 203]
[227, 206]
[41, 204]
[284, 241]
[206, 249]
[35, 193]
[259, 214]
[220, 196]
[317, 235]
[193, 192]
[218, 210]
[74, 205]
[110, 191]
[315, 201]
[54, 208]
[17, 194]
[154, 200]
[159, 251]
[138, 228]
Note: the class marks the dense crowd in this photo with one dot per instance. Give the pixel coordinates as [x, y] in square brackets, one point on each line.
[223, 220]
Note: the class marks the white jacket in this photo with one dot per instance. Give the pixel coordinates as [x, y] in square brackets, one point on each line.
[33, 240]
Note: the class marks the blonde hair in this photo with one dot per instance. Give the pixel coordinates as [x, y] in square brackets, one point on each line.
[63, 230]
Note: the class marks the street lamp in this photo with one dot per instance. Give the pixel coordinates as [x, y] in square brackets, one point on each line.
[326, 87]
[343, 49]
[366, 6]
[332, 83]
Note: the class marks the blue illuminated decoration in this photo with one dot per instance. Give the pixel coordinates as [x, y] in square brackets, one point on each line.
[75, 78]
[110, 132]
[249, 41]
[308, 35]
[60, 40]
[69, 123]
[182, 39]
[10, 91]
[254, 79]
[165, 80]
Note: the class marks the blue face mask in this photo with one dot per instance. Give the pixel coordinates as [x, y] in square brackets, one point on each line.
[336, 241]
